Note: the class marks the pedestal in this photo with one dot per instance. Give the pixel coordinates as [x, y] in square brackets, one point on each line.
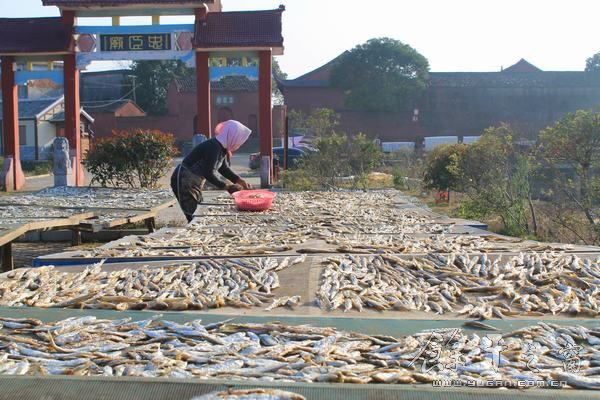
[77, 176]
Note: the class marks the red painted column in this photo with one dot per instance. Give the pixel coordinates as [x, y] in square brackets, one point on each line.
[203, 94]
[11, 176]
[72, 117]
[265, 119]
[72, 107]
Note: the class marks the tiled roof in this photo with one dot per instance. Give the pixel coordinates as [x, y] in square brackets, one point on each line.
[240, 29]
[60, 116]
[552, 79]
[34, 35]
[522, 66]
[117, 3]
[28, 109]
[302, 83]
[234, 83]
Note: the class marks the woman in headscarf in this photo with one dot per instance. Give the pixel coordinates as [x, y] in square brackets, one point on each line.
[203, 163]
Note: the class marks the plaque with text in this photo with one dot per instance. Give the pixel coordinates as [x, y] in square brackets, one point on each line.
[135, 42]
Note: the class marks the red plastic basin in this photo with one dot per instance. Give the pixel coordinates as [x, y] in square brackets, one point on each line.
[253, 200]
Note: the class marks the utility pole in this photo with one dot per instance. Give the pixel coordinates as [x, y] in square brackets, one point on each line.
[133, 77]
[134, 96]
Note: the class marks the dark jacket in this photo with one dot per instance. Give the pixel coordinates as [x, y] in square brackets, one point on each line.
[206, 159]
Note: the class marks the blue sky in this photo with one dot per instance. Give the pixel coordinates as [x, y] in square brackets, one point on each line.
[457, 35]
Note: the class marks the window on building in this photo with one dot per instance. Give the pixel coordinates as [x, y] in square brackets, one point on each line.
[222, 100]
[22, 135]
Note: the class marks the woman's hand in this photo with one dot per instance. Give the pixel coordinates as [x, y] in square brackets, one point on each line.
[233, 188]
[245, 185]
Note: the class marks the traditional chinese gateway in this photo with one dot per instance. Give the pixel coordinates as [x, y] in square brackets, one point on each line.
[214, 34]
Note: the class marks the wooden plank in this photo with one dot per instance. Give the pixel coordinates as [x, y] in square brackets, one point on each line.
[9, 236]
[164, 205]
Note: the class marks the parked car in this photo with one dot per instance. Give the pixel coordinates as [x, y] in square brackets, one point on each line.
[294, 154]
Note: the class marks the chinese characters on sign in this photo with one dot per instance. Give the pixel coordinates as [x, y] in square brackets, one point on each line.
[134, 42]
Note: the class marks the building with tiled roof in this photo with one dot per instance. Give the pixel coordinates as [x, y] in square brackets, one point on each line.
[40, 121]
[232, 97]
[458, 103]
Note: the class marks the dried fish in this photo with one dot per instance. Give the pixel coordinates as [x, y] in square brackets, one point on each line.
[277, 352]
[81, 197]
[481, 287]
[286, 301]
[202, 284]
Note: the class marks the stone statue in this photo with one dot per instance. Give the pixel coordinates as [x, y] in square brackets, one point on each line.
[62, 161]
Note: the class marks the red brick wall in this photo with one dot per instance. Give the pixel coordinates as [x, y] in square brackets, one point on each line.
[181, 116]
[306, 99]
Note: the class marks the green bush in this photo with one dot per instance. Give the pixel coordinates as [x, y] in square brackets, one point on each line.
[338, 158]
[442, 171]
[298, 180]
[33, 168]
[131, 159]
[399, 178]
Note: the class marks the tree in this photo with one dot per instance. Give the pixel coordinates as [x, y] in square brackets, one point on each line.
[495, 177]
[152, 82]
[381, 75]
[336, 159]
[443, 167]
[571, 150]
[592, 64]
[363, 157]
[320, 122]
[277, 74]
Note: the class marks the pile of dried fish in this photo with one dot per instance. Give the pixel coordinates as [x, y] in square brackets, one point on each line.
[334, 212]
[440, 243]
[93, 198]
[26, 212]
[353, 222]
[206, 283]
[276, 352]
[194, 241]
[478, 286]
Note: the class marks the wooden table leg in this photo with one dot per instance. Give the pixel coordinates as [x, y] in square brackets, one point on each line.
[75, 237]
[151, 224]
[7, 258]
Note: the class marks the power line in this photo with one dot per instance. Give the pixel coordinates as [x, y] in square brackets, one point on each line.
[111, 102]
